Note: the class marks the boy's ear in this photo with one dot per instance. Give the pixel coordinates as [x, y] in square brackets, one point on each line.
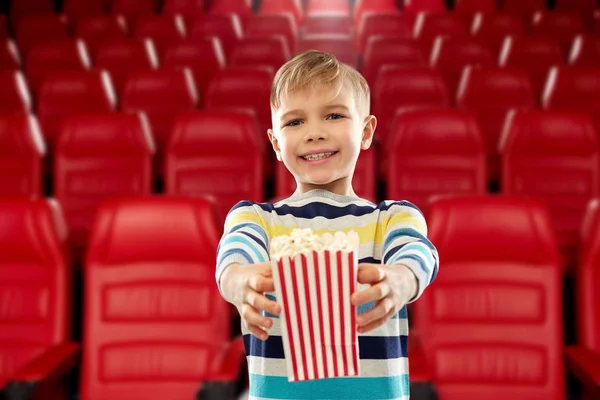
[274, 143]
[368, 132]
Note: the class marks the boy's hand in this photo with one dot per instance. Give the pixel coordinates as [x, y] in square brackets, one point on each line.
[391, 288]
[247, 285]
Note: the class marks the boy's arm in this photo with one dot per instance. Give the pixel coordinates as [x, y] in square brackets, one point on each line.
[244, 241]
[405, 242]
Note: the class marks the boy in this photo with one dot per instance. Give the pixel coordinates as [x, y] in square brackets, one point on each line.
[321, 121]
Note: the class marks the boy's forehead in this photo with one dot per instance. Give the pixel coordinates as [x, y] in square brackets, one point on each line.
[316, 96]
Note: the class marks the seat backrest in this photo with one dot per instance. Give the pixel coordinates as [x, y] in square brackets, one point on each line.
[161, 95]
[382, 50]
[381, 6]
[36, 281]
[452, 55]
[435, 152]
[49, 57]
[203, 56]
[576, 89]
[75, 9]
[498, 304]
[184, 7]
[274, 24]
[258, 51]
[553, 155]
[132, 10]
[243, 88]
[474, 6]
[342, 46]
[21, 152]
[217, 153]
[9, 54]
[96, 29]
[424, 6]
[24, 8]
[291, 7]
[14, 96]
[226, 27]
[576, 5]
[3, 27]
[100, 156]
[384, 24]
[523, 8]
[37, 28]
[491, 93]
[124, 57]
[332, 22]
[406, 88]
[587, 277]
[162, 29]
[561, 26]
[72, 93]
[585, 51]
[493, 27]
[162, 320]
[428, 26]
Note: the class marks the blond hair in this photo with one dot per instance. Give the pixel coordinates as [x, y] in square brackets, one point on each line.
[314, 68]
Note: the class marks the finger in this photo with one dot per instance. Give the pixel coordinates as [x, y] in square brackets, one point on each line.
[374, 293]
[261, 302]
[377, 323]
[380, 310]
[251, 317]
[261, 283]
[258, 332]
[370, 274]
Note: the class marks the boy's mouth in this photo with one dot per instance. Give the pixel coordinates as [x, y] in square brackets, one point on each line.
[318, 156]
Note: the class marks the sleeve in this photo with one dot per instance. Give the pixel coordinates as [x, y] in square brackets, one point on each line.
[405, 242]
[244, 240]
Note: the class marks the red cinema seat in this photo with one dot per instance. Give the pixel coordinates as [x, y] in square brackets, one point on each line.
[471, 7]
[36, 283]
[523, 8]
[216, 153]
[72, 93]
[9, 55]
[435, 152]
[576, 5]
[225, 27]
[382, 50]
[271, 25]
[184, 8]
[451, 55]
[204, 58]
[132, 10]
[162, 29]
[500, 300]
[316, 7]
[75, 9]
[585, 51]
[428, 26]
[583, 359]
[122, 58]
[260, 51]
[100, 156]
[291, 7]
[161, 95]
[535, 54]
[25, 8]
[14, 93]
[364, 181]
[382, 24]
[574, 89]
[97, 29]
[560, 26]
[362, 7]
[553, 156]
[331, 22]
[21, 152]
[34, 29]
[243, 88]
[491, 93]
[424, 6]
[493, 28]
[162, 327]
[3, 27]
[342, 46]
[406, 88]
[47, 58]
[241, 8]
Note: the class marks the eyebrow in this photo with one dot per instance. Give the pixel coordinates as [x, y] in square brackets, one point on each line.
[328, 107]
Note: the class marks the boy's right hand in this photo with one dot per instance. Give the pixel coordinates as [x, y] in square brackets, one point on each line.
[246, 287]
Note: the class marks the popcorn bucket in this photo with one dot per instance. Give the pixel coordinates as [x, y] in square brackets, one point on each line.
[318, 320]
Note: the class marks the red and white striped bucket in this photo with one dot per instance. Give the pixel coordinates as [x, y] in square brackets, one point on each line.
[318, 320]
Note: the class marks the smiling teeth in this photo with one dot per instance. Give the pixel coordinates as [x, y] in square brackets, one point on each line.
[314, 157]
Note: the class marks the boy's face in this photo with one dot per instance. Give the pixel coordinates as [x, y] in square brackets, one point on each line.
[318, 135]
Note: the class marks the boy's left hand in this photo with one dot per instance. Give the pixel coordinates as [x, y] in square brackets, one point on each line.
[391, 288]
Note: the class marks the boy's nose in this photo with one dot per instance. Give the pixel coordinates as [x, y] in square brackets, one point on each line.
[315, 134]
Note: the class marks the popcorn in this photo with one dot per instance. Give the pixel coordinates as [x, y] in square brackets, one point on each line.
[314, 278]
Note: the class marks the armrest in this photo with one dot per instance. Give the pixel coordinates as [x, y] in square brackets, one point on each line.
[585, 364]
[50, 366]
[224, 382]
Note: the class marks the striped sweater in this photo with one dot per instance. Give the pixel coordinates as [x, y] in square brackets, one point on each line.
[390, 233]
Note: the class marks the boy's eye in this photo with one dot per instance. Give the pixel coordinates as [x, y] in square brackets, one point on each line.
[294, 122]
[335, 116]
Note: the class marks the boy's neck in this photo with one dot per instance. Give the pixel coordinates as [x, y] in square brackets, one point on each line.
[342, 187]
